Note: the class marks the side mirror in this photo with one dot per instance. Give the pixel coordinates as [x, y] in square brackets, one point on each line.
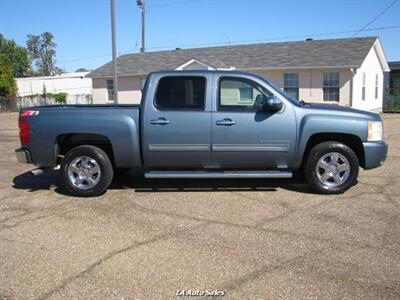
[268, 103]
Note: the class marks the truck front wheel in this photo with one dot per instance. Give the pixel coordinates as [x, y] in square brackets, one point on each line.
[86, 171]
[332, 168]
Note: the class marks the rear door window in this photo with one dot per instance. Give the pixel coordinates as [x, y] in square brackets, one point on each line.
[181, 93]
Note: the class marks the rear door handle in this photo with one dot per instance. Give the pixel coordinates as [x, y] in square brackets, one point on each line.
[225, 122]
[160, 121]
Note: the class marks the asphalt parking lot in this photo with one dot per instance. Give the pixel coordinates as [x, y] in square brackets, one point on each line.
[147, 239]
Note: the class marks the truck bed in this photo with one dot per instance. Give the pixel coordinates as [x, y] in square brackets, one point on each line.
[66, 106]
[118, 124]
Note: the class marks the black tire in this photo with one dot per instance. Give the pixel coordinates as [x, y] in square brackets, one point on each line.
[324, 149]
[106, 173]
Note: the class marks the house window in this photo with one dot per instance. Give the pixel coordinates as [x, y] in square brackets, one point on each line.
[110, 90]
[363, 87]
[245, 92]
[376, 86]
[181, 93]
[291, 84]
[331, 87]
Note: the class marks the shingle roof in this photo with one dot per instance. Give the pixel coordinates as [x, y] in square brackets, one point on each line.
[394, 65]
[349, 52]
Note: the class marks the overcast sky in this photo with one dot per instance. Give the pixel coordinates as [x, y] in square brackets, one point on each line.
[82, 27]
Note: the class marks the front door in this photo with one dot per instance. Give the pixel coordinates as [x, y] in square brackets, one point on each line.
[177, 123]
[244, 138]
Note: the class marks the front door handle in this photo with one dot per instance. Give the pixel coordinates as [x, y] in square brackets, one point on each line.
[160, 121]
[225, 122]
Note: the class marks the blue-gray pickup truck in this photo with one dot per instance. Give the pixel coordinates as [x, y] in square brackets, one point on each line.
[203, 124]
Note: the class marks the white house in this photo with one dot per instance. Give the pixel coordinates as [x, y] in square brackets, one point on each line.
[76, 85]
[338, 71]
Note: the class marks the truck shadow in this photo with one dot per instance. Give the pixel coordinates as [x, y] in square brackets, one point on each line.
[137, 182]
[26, 181]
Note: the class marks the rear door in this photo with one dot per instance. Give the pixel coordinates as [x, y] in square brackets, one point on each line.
[177, 130]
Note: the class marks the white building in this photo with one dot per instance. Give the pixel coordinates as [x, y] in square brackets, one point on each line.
[347, 72]
[76, 85]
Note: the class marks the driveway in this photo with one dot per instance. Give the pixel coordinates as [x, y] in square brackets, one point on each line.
[248, 239]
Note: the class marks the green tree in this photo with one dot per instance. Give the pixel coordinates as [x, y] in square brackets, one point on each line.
[16, 55]
[8, 87]
[42, 50]
[82, 70]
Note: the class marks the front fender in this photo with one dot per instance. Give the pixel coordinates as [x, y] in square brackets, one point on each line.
[325, 124]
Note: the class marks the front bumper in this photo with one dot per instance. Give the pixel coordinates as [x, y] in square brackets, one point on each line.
[374, 154]
[23, 155]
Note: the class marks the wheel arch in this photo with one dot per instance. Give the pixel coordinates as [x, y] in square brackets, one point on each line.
[67, 141]
[352, 141]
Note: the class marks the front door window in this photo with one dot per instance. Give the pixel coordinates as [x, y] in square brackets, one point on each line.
[238, 94]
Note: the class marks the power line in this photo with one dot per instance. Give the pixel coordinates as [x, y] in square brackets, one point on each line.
[179, 2]
[83, 58]
[375, 18]
[276, 38]
[172, 3]
[239, 42]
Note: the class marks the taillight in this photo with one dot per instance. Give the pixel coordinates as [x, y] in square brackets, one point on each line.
[23, 125]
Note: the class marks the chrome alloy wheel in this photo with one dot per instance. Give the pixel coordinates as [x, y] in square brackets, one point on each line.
[333, 169]
[84, 172]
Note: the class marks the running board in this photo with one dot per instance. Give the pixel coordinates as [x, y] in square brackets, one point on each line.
[222, 174]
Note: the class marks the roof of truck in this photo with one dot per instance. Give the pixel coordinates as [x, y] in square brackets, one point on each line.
[348, 52]
[167, 72]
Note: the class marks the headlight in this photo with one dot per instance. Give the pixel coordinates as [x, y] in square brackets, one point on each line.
[375, 131]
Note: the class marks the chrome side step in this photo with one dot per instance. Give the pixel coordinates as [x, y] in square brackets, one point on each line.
[221, 174]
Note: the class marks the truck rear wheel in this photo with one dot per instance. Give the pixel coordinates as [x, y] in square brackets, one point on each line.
[86, 171]
[332, 168]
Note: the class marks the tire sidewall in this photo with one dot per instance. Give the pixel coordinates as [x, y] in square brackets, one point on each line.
[105, 166]
[320, 150]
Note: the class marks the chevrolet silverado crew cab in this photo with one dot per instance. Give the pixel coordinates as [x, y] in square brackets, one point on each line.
[203, 124]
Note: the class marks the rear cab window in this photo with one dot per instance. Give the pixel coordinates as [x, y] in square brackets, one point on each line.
[181, 93]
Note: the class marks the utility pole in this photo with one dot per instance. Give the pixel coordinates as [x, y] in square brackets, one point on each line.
[142, 5]
[114, 52]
